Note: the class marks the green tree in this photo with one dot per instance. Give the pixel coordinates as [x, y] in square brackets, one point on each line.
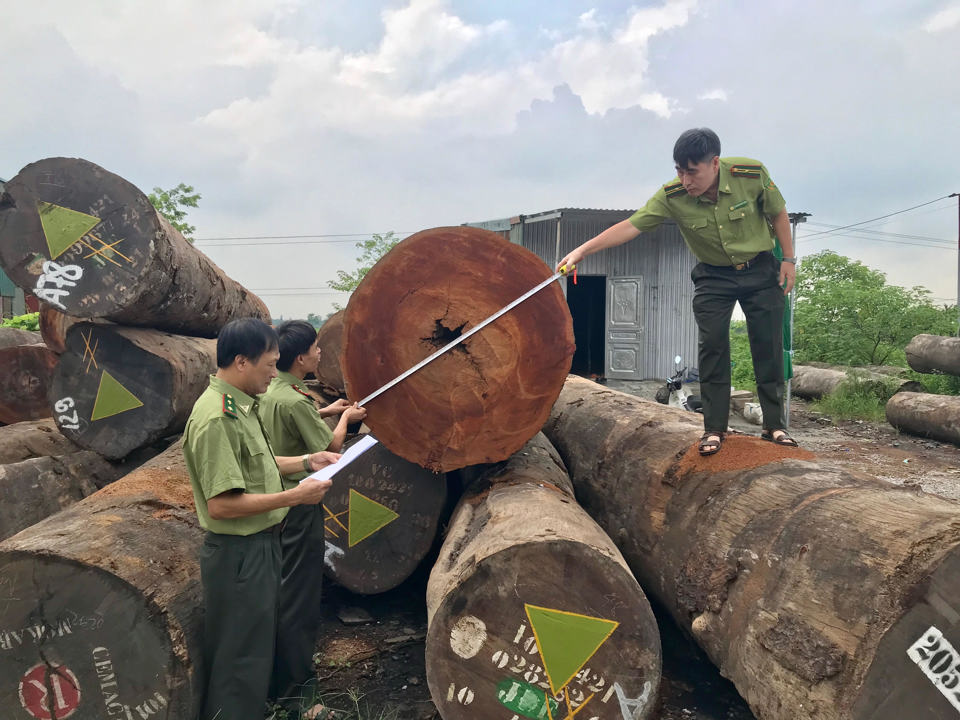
[372, 250]
[171, 204]
[847, 314]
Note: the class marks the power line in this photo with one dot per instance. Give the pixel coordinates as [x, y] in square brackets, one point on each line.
[887, 234]
[289, 239]
[882, 217]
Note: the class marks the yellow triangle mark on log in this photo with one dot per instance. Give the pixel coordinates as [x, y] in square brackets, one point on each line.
[112, 398]
[366, 517]
[63, 227]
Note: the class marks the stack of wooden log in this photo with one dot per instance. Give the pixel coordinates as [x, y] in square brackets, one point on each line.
[926, 414]
[103, 591]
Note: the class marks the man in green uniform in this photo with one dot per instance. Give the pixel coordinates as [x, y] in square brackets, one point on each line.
[295, 427]
[725, 209]
[241, 503]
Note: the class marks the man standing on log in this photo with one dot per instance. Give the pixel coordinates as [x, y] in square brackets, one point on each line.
[295, 427]
[240, 501]
[725, 209]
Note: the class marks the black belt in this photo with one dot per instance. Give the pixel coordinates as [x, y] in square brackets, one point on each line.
[751, 262]
[274, 529]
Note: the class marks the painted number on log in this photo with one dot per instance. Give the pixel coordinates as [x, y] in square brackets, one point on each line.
[71, 421]
[59, 276]
[934, 654]
[49, 692]
[464, 695]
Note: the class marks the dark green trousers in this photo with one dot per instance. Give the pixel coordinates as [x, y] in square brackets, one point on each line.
[302, 542]
[240, 576]
[757, 289]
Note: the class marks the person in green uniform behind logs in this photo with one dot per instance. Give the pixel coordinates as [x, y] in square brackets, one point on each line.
[728, 210]
[295, 427]
[241, 503]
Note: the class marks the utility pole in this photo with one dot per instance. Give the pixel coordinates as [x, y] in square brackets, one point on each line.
[957, 196]
[795, 219]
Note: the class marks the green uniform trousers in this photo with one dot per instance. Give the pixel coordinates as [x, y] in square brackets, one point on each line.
[240, 576]
[757, 288]
[302, 544]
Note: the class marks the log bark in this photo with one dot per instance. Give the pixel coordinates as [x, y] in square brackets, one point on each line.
[481, 401]
[934, 354]
[53, 327]
[530, 599]
[382, 515]
[103, 600]
[35, 438]
[24, 382]
[805, 583]
[815, 382]
[91, 244]
[926, 415]
[330, 341]
[13, 337]
[117, 388]
[34, 489]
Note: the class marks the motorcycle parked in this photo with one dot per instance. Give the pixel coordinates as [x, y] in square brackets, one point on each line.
[675, 394]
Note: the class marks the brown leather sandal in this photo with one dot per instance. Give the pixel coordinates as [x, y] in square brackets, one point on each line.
[781, 439]
[709, 446]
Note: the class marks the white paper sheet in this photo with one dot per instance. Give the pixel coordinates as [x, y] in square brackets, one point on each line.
[352, 453]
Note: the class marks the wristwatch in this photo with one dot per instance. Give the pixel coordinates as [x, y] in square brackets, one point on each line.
[789, 260]
[306, 462]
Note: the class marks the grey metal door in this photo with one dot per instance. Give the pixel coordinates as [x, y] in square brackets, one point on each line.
[624, 327]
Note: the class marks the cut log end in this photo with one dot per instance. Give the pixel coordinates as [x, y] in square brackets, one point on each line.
[482, 400]
[26, 375]
[380, 517]
[485, 636]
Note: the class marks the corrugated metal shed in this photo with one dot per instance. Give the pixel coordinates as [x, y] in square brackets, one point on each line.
[647, 279]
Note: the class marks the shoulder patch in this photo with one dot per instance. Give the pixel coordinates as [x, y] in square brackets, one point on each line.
[306, 395]
[674, 189]
[229, 406]
[745, 171]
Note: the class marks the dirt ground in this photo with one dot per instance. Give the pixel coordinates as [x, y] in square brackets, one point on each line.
[377, 665]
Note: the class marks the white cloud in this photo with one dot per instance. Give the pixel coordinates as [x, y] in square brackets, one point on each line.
[715, 94]
[946, 19]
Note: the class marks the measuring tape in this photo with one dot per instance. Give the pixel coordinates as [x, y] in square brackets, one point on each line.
[453, 343]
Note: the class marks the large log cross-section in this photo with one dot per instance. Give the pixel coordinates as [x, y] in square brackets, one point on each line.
[482, 400]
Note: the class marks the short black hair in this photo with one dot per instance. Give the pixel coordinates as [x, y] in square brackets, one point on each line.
[296, 337]
[696, 146]
[250, 337]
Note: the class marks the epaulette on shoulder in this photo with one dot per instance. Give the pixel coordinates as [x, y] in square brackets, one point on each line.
[229, 406]
[674, 189]
[306, 395]
[745, 171]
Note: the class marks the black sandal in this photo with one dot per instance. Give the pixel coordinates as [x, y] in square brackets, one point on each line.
[708, 446]
[783, 439]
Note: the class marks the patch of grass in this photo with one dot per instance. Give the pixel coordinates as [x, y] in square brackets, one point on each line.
[858, 399]
[351, 704]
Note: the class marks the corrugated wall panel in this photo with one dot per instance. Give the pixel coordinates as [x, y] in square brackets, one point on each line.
[660, 257]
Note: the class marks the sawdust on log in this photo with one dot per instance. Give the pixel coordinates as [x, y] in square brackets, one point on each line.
[739, 452]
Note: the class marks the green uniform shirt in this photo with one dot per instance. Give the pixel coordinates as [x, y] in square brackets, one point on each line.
[226, 449]
[729, 231]
[292, 422]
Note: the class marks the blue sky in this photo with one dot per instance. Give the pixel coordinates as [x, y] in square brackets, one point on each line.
[349, 116]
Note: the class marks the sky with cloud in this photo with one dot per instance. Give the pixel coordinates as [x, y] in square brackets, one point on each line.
[342, 118]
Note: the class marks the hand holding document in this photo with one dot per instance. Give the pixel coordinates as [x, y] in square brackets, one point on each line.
[355, 451]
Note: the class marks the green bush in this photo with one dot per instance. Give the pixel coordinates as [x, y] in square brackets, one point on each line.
[741, 361]
[858, 399]
[30, 321]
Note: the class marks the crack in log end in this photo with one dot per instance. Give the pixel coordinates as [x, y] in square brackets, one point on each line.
[7, 201]
[442, 336]
[803, 650]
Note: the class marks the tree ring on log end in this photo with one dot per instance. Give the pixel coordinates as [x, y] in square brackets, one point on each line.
[483, 400]
[577, 628]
